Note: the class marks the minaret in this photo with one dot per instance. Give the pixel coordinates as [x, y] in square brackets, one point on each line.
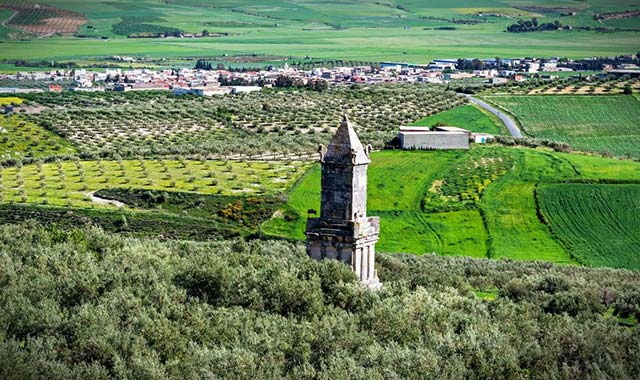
[343, 231]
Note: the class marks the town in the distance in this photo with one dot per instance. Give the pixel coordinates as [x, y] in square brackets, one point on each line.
[206, 80]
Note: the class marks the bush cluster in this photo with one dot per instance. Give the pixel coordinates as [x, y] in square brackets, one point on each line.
[85, 304]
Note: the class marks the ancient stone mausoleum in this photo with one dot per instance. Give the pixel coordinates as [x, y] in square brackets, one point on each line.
[343, 231]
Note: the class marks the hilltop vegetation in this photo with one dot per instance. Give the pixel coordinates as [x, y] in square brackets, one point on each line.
[468, 117]
[85, 304]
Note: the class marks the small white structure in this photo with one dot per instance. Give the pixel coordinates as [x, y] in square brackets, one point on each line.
[438, 138]
[245, 89]
[481, 138]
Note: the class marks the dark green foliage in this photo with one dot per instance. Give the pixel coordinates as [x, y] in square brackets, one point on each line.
[85, 304]
[142, 224]
[139, 26]
[231, 211]
[533, 26]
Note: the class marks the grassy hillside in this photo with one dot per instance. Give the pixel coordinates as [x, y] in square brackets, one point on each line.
[590, 123]
[468, 117]
[478, 203]
[402, 30]
[597, 223]
[104, 307]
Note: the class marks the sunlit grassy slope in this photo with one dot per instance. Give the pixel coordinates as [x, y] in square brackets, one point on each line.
[468, 117]
[504, 222]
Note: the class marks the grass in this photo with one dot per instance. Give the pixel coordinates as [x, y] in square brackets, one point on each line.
[351, 29]
[20, 138]
[70, 183]
[468, 117]
[488, 295]
[598, 224]
[447, 233]
[588, 123]
[8, 100]
[501, 219]
[397, 184]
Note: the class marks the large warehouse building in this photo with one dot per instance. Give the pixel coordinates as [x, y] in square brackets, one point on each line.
[436, 138]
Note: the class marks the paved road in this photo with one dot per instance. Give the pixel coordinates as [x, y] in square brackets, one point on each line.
[511, 125]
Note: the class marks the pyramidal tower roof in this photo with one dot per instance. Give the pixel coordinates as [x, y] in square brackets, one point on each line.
[345, 146]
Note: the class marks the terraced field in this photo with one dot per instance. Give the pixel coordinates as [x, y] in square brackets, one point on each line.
[598, 224]
[589, 123]
[71, 183]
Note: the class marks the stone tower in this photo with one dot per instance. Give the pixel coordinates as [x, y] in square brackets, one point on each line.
[343, 231]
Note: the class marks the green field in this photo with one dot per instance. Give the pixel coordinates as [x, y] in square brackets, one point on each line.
[362, 30]
[7, 100]
[468, 117]
[71, 183]
[589, 123]
[20, 138]
[478, 203]
[598, 224]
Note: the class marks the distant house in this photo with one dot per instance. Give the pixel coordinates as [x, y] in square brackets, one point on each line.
[437, 138]
[201, 91]
[124, 87]
[7, 110]
[497, 80]
[244, 89]
[55, 88]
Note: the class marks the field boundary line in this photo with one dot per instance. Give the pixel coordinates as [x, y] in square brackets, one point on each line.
[545, 221]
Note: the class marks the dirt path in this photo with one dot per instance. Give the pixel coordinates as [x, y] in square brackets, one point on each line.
[7, 21]
[103, 201]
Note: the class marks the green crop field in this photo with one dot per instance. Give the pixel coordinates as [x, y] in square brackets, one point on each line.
[480, 202]
[598, 224]
[468, 117]
[588, 123]
[403, 30]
